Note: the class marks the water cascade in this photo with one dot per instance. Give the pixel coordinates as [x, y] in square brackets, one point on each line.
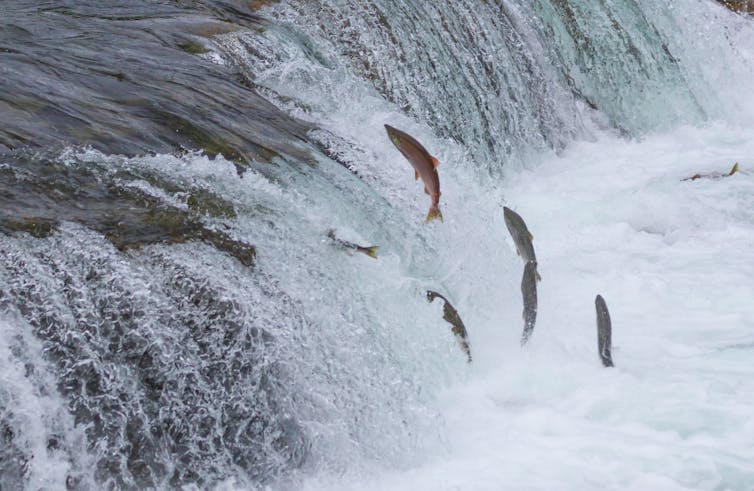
[172, 312]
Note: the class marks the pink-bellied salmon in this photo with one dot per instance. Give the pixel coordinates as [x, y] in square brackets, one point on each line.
[424, 164]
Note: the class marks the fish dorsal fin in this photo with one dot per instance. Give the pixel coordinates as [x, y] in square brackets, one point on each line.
[416, 174]
[435, 162]
[734, 169]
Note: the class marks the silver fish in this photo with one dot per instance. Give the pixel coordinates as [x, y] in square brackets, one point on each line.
[521, 237]
[450, 314]
[604, 332]
[529, 292]
[370, 251]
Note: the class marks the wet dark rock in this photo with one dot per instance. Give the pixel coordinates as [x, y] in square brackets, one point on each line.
[206, 203]
[173, 377]
[35, 196]
[178, 384]
[127, 81]
[245, 253]
[193, 47]
[38, 227]
[258, 4]
[211, 28]
[192, 136]
[199, 200]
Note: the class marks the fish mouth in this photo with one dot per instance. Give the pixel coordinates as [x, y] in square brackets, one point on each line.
[394, 135]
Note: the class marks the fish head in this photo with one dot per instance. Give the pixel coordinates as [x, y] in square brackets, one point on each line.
[510, 221]
[508, 214]
[394, 135]
[514, 222]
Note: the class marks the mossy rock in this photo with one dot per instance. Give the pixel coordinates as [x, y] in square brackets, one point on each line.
[193, 47]
[48, 193]
[206, 203]
[38, 227]
[200, 201]
[199, 138]
[213, 28]
[244, 253]
[258, 4]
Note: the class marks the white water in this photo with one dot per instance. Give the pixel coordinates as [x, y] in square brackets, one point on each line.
[674, 261]
[384, 396]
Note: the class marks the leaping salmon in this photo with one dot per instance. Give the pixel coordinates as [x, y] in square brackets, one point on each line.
[713, 175]
[522, 238]
[450, 314]
[370, 251]
[604, 332]
[529, 292]
[424, 164]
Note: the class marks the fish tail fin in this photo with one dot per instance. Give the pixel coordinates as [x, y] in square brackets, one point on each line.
[734, 169]
[434, 212]
[372, 251]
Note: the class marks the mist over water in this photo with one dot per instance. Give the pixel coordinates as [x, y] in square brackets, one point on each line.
[170, 363]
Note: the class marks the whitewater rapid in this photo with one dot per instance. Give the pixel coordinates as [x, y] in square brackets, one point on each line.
[610, 215]
[172, 365]
[674, 262]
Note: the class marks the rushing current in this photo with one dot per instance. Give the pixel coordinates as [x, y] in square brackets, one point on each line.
[173, 314]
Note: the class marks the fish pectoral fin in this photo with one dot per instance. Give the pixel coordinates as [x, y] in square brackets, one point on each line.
[531, 237]
[435, 162]
[416, 175]
[734, 169]
[426, 191]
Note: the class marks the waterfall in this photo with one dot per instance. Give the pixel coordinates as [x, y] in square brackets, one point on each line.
[173, 318]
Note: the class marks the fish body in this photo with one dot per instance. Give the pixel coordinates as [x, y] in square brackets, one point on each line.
[450, 314]
[713, 175]
[424, 164]
[522, 238]
[604, 332]
[529, 292]
[370, 251]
